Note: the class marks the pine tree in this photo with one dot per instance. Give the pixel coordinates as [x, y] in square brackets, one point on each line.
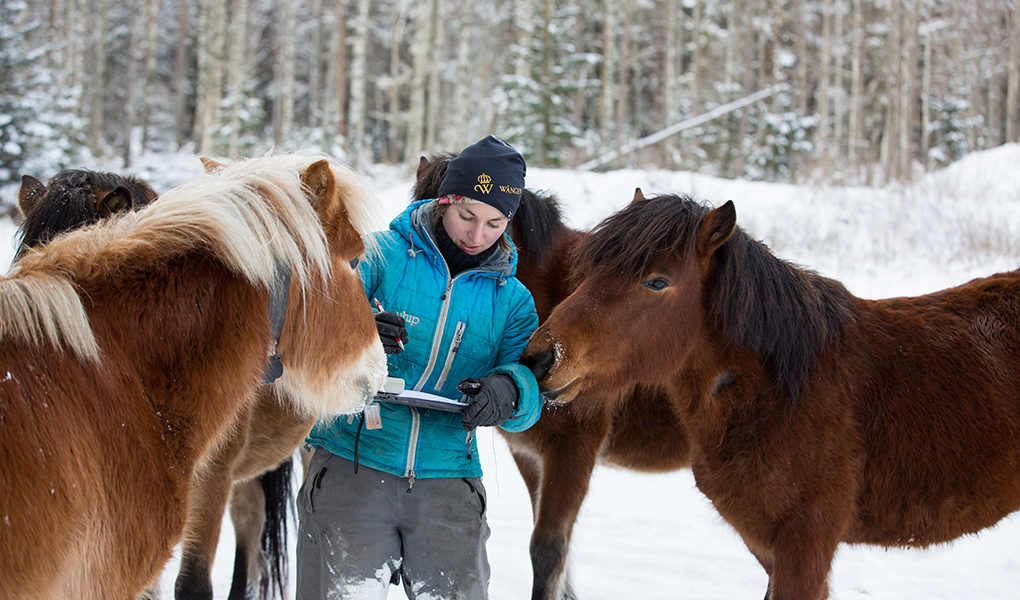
[38, 129]
[537, 119]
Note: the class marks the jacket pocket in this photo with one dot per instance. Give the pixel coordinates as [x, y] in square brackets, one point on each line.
[458, 336]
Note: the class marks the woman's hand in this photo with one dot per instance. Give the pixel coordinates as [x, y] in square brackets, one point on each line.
[494, 400]
[392, 331]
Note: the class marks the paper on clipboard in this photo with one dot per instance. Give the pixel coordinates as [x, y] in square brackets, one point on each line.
[393, 391]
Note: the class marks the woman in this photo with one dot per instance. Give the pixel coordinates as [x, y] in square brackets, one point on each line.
[397, 491]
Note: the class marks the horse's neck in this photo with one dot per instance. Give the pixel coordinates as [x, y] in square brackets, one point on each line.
[191, 336]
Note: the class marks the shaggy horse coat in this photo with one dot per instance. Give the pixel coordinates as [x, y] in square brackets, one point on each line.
[128, 348]
[814, 417]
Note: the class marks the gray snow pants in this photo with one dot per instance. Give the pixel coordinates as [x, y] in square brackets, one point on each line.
[358, 532]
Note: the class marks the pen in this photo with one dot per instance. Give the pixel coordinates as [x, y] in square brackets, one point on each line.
[379, 307]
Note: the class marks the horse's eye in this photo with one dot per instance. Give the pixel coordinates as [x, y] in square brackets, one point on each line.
[354, 263]
[657, 284]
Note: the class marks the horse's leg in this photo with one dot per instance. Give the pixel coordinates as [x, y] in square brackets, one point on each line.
[567, 464]
[198, 548]
[802, 557]
[247, 513]
[258, 510]
[530, 468]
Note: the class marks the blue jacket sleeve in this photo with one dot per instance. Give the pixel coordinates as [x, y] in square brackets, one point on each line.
[522, 322]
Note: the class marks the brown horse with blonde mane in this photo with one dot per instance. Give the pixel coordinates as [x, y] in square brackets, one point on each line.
[814, 417]
[242, 465]
[556, 456]
[129, 348]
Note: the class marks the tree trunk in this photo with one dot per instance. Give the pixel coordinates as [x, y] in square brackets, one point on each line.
[908, 73]
[356, 141]
[623, 74]
[130, 105]
[670, 76]
[237, 72]
[97, 80]
[421, 53]
[149, 78]
[608, 96]
[338, 69]
[854, 119]
[435, 99]
[283, 77]
[1013, 76]
[180, 72]
[825, 56]
[212, 21]
[397, 131]
[314, 117]
[458, 136]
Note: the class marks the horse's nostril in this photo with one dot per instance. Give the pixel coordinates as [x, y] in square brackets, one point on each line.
[539, 363]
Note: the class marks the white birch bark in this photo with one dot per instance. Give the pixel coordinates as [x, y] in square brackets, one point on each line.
[356, 115]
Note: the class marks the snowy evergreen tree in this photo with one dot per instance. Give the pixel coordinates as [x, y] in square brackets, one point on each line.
[38, 126]
[537, 120]
[949, 130]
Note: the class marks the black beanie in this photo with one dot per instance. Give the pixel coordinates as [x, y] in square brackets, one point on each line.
[490, 171]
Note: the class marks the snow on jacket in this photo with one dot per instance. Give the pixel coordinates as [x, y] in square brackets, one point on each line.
[472, 325]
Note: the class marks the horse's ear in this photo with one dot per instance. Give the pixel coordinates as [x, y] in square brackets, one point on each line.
[717, 227]
[29, 194]
[210, 165]
[318, 178]
[638, 195]
[423, 164]
[119, 200]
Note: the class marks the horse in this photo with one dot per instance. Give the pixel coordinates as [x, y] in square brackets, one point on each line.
[250, 475]
[556, 455]
[130, 346]
[74, 198]
[264, 435]
[814, 417]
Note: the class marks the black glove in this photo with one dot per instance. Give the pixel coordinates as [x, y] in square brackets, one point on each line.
[391, 330]
[495, 398]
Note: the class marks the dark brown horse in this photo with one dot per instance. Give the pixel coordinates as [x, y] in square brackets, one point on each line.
[74, 198]
[130, 347]
[637, 430]
[814, 417]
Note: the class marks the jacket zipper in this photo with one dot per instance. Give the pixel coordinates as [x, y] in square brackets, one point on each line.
[412, 448]
[458, 335]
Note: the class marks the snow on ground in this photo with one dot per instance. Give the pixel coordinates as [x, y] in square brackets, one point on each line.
[655, 536]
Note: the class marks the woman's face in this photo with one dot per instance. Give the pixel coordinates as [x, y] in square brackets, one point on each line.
[474, 227]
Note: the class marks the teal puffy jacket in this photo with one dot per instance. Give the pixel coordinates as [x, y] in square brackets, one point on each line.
[472, 325]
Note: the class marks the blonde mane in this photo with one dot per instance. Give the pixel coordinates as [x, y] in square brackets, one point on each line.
[251, 216]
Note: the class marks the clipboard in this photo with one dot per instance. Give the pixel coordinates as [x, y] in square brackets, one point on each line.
[393, 391]
[422, 400]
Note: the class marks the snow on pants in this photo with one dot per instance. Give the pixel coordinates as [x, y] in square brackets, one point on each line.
[358, 532]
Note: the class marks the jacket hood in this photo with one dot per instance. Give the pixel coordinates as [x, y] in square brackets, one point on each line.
[415, 225]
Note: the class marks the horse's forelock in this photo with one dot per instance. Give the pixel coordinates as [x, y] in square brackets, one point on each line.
[628, 241]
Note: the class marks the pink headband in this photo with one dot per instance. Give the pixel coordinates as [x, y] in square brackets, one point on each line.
[457, 199]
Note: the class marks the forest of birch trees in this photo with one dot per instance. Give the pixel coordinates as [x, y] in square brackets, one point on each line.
[854, 91]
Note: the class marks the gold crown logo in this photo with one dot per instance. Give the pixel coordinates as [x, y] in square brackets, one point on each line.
[484, 179]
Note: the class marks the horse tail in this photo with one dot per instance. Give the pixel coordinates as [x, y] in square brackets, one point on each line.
[277, 487]
[536, 225]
